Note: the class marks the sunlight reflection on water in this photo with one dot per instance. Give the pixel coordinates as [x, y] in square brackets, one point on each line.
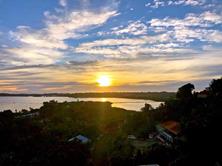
[19, 103]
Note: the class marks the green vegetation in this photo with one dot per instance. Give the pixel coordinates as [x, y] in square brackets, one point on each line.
[107, 127]
[40, 137]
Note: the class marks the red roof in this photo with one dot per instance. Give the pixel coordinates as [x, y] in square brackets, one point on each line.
[172, 126]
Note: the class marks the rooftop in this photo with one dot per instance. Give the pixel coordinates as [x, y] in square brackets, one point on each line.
[172, 126]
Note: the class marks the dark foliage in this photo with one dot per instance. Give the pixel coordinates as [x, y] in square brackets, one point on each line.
[42, 140]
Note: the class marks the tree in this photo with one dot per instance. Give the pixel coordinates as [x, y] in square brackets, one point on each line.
[185, 92]
[147, 107]
[215, 88]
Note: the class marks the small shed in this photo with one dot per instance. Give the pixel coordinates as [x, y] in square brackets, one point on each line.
[80, 138]
[131, 137]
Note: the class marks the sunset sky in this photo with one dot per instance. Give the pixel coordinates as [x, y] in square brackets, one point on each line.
[139, 45]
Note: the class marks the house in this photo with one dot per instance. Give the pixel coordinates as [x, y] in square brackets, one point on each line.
[131, 137]
[80, 138]
[29, 115]
[168, 131]
[150, 165]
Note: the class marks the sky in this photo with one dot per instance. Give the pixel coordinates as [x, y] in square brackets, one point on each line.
[141, 45]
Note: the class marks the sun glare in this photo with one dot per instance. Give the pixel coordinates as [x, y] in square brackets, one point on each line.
[104, 80]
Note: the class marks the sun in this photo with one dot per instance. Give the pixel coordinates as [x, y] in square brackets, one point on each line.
[104, 80]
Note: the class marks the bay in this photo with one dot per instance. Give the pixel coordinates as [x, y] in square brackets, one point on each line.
[19, 103]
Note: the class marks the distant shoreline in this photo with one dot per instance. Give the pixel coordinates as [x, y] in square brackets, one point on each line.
[156, 96]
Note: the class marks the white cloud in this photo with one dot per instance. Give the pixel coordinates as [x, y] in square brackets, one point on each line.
[211, 17]
[157, 70]
[147, 4]
[77, 22]
[157, 3]
[113, 42]
[187, 2]
[46, 45]
[214, 36]
[164, 55]
[172, 36]
[33, 55]
[168, 45]
[39, 39]
[194, 2]
[132, 47]
[188, 35]
[192, 27]
[134, 28]
[4, 46]
[205, 19]
[128, 41]
[63, 3]
[163, 3]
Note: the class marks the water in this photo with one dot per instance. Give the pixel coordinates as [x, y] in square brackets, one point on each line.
[19, 103]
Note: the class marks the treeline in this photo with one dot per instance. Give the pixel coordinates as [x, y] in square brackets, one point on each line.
[157, 96]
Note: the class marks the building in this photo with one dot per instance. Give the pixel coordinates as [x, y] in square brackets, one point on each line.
[28, 115]
[80, 138]
[131, 137]
[150, 165]
[168, 131]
